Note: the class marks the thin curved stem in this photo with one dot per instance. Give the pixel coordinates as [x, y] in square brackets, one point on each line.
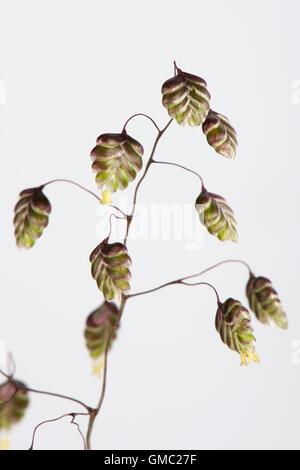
[63, 180]
[58, 395]
[7, 376]
[117, 208]
[183, 167]
[149, 291]
[94, 413]
[42, 392]
[217, 265]
[180, 281]
[72, 415]
[140, 114]
[110, 224]
[175, 68]
[202, 284]
[11, 365]
[150, 161]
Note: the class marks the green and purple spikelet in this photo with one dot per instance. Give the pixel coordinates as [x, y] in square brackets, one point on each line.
[110, 264]
[233, 323]
[31, 216]
[215, 214]
[186, 98]
[220, 134]
[13, 403]
[264, 302]
[116, 160]
[98, 328]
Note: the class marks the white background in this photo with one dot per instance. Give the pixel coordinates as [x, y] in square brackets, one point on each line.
[75, 69]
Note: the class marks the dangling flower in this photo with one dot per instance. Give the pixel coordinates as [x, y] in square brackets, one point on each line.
[4, 442]
[216, 216]
[186, 98]
[110, 264]
[31, 216]
[106, 197]
[220, 134]
[233, 324]
[13, 403]
[97, 331]
[117, 158]
[264, 302]
[98, 366]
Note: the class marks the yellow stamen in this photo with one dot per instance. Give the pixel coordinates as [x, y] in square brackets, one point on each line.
[4, 443]
[106, 197]
[243, 359]
[98, 366]
[248, 356]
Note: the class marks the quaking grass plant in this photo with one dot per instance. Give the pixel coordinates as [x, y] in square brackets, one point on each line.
[117, 158]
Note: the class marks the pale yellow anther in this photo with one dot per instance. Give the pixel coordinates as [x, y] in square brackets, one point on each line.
[255, 357]
[98, 367]
[4, 443]
[106, 197]
[248, 356]
[244, 361]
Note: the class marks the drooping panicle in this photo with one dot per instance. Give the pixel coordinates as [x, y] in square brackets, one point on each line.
[233, 323]
[116, 160]
[264, 302]
[13, 403]
[216, 216]
[220, 134]
[31, 216]
[98, 328]
[186, 98]
[110, 269]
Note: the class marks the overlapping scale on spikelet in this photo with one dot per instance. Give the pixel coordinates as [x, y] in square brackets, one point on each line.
[31, 216]
[98, 328]
[116, 160]
[110, 269]
[13, 403]
[186, 98]
[216, 216]
[220, 134]
[233, 323]
[264, 302]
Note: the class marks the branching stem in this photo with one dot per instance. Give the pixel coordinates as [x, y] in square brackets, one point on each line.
[110, 222]
[140, 114]
[181, 280]
[94, 413]
[42, 392]
[72, 415]
[202, 284]
[183, 167]
[63, 180]
[149, 163]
